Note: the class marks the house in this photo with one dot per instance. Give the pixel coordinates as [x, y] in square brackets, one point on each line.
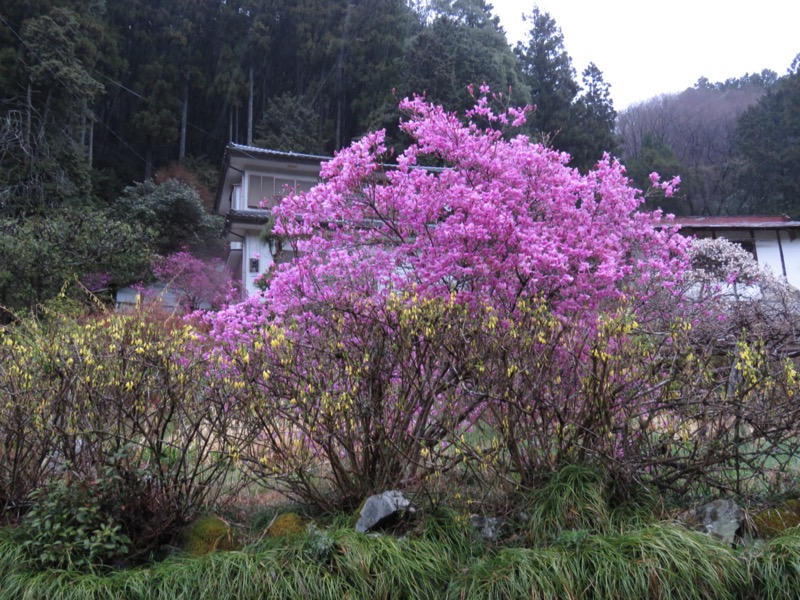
[773, 241]
[252, 181]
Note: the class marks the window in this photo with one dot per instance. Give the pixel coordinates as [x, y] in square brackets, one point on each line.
[304, 186]
[254, 266]
[283, 187]
[259, 187]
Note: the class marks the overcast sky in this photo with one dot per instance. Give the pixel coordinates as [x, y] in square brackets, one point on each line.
[646, 48]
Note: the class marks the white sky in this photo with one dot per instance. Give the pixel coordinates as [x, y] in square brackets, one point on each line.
[646, 48]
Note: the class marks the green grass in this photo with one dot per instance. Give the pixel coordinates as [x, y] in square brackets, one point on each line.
[594, 543]
[661, 561]
[775, 568]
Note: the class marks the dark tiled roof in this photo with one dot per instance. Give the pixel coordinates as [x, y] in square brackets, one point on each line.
[737, 222]
[270, 153]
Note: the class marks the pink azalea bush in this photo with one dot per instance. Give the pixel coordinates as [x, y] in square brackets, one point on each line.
[495, 312]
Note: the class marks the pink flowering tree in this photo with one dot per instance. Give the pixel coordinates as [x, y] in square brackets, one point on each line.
[501, 220]
[422, 297]
[197, 283]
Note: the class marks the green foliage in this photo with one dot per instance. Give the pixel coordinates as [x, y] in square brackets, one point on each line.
[319, 545]
[573, 499]
[595, 119]
[655, 155]
[547, 70]
[69, 526]
[658, 561]
[775, 567]
[39, 256]
[173, 215]
[59, 61]
[767, 151]
[289, 124]
[464, 44]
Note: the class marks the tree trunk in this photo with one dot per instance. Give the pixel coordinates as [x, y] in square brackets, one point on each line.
[91, 140]
[250, 110]
[339, 121]
[84, 110]
[28, 121]
[184, 119]
[45, 115]
[148, 160]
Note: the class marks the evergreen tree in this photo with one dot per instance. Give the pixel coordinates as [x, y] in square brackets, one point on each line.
[42, 255]
[45, 135]
[547, 70]
[594, 118]
[289, 124]
[171, 213]
[767, 150]
[656, 155]
[463, 44]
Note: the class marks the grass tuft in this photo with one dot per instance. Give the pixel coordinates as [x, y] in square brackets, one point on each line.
[775, 568]
[574, 498]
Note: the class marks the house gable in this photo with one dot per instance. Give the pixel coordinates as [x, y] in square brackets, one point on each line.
[252, 181]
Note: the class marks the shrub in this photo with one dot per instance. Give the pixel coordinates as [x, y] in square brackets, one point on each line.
[70, 526]
[374, 400]
[502, 316]
[123, 395]
[396, 330]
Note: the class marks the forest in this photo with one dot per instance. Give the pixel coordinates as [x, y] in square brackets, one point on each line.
[114, 116]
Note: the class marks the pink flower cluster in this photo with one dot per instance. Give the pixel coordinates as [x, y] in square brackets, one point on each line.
[501, 219]
[197, 283]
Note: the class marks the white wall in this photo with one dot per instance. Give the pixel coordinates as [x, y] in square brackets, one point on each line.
[769, 253]
[254, 248]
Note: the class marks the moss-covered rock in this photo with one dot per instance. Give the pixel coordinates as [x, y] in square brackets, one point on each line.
[209, 534]
[286, 524]
[775, 520]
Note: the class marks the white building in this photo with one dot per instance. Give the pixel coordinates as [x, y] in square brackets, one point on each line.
[252, 181]
[773, 241]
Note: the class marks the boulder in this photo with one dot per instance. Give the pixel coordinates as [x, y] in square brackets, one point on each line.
[489, 528]
[721, 519]
[383, 509]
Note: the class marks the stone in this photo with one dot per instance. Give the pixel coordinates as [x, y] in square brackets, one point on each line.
[721, 519]
[490, 528]
[382, 509]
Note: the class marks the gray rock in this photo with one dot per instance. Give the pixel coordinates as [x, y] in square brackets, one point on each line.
[490, 528]
[721, 518]
[382, 507]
